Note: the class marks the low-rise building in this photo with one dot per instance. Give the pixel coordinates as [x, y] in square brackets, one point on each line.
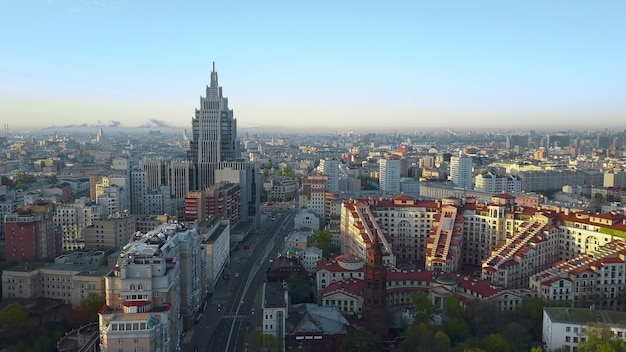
[564, 326]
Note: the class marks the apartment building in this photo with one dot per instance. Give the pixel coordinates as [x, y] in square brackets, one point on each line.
[154, 287]
[31, 234]
[73, 218]
[592, 279]
[532, 248]
[564, 326]
[71, 278]
[493, 183]
[445, 241]
[113, 231]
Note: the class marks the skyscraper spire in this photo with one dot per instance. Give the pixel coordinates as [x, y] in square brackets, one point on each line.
[214, 77]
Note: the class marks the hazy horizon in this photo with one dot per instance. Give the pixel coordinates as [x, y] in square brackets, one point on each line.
[321, 66]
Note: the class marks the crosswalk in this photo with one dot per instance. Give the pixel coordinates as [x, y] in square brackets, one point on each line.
[235, 316]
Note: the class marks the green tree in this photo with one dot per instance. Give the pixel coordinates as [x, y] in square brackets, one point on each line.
[91, 305]
[496, 343]
[530, 315]
[321, 239]
[423, 305]
[360, 341]
[600, 338]
[441, 342]
[264, 342]
[452, 307]
[13, 316]
[456, 329]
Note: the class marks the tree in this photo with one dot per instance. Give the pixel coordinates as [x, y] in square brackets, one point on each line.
[530, 315]
[423, 305]
[321, 239]
[91, 305]
[441, 342]
[496, 343]
[600, 338]
[360, 341]
[452, 307]
[13, 316]
[265, 342]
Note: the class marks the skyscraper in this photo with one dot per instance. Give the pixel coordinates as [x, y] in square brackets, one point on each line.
[330, 167]
[389, 175]
[461, 171]
[214, 134]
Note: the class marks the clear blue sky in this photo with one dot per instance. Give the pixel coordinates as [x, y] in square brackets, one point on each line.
[323, 65]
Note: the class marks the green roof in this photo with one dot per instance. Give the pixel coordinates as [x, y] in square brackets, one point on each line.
[586, 316]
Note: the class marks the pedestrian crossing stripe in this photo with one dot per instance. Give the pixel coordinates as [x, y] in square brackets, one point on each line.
[234, 316]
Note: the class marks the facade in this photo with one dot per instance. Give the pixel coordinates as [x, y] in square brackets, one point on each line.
[247, 175]
[493, 183]
[445, 241]
[181, 177]
[389, 175]
[330, 168]
[306, 220]
[31, 234]
[312, 193]
[112, 232]
[461, 168]
[309, 258]
[72, 278]
[147, 293]
[195, 206]
[214, 134]
[310, 327]
[566, 326]
[156, 171]
[215, 235]
[532, 248]
[283, 189]
[275, 303]
[223, 201]
[375, 312]
[298, 239]
[73, 218]
[345, 266]
[138, 191]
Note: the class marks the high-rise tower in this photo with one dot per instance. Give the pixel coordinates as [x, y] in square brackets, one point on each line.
[214, 134]
[461, 171]
[375, 312]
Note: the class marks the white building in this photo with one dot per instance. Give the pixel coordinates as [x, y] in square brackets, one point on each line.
[389, 175]
[566, 326]
[330, 167]
[138, 191]
[73, 218]
[216, 244]
[461, 171]
[144, 296]
[306, 220]
[275, 303]
[310, 257]
[493, 183]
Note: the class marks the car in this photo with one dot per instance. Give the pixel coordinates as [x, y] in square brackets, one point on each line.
[219, 307]
[236, 274]
[252, 312]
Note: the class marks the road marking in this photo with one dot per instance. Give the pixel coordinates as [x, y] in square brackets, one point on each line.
[235, 316]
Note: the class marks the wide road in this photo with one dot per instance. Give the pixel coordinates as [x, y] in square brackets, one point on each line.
[227, 320]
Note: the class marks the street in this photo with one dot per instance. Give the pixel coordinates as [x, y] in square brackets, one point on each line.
[228, 321]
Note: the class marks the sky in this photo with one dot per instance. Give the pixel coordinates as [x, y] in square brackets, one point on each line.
[316, 65]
